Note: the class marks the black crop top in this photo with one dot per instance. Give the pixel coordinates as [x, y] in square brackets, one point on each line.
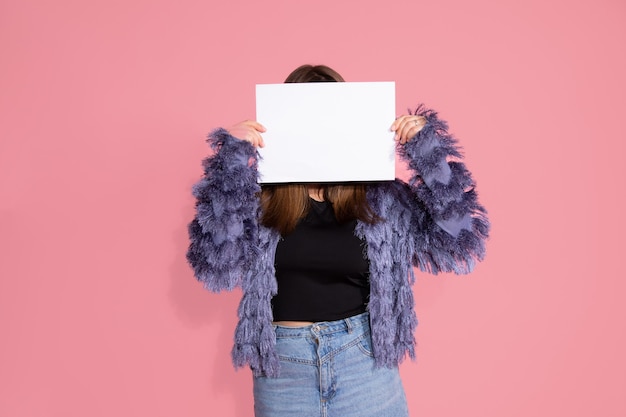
[321, 269]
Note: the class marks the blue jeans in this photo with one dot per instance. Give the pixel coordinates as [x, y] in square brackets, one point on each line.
[327, 370]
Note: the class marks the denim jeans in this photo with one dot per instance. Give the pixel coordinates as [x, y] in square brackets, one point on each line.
[327, 370]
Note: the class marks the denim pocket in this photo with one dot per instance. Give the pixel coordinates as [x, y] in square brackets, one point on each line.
[365, 344]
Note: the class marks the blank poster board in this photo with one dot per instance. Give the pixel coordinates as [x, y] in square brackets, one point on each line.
[326, 131]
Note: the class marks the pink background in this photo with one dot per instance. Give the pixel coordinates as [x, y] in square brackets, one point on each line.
[104, 108]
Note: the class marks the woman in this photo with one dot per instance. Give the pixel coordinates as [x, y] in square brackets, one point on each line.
[326, 270]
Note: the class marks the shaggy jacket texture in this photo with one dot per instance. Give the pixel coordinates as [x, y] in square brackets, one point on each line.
[433, 222]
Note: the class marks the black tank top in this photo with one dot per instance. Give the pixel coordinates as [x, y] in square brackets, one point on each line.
[321, 269]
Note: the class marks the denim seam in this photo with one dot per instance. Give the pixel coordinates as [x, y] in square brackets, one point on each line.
[343, 348]
[297, 360]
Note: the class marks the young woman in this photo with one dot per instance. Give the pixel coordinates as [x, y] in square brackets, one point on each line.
[326, 270]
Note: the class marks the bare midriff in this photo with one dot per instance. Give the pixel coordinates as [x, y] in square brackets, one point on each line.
[293, 323]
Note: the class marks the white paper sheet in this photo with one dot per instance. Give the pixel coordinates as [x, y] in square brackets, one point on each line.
[326, 132]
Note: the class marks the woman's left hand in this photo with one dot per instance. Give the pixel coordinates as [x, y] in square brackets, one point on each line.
[406, 127]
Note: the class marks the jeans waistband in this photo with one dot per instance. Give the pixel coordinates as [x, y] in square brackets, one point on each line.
[325, 327]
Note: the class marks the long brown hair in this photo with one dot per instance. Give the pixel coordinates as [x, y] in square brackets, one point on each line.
[283, 205]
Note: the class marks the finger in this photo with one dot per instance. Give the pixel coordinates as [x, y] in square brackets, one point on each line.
[420, 122]
[256, 125]
[412, 127]
[410, 134]
[405, 129]
[249, 131]
[254, 137]
[260, 141]
[256, 129]
[397, 126]
[398, 122]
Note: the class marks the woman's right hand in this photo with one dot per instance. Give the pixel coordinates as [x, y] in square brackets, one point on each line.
[250, 131]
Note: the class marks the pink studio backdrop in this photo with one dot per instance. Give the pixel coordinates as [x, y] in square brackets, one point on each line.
[104, 107]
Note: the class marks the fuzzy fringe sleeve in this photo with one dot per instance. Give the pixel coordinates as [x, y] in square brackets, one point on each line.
[223, 230]
[450, 226]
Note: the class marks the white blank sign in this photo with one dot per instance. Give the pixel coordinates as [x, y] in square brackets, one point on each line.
[326, 131]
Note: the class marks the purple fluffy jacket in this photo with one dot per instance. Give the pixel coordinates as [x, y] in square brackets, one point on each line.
[434, 222]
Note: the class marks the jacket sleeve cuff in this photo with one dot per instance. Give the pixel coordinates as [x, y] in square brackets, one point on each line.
[232, 153]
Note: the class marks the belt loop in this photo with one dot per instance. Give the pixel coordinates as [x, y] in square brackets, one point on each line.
[348, 325]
